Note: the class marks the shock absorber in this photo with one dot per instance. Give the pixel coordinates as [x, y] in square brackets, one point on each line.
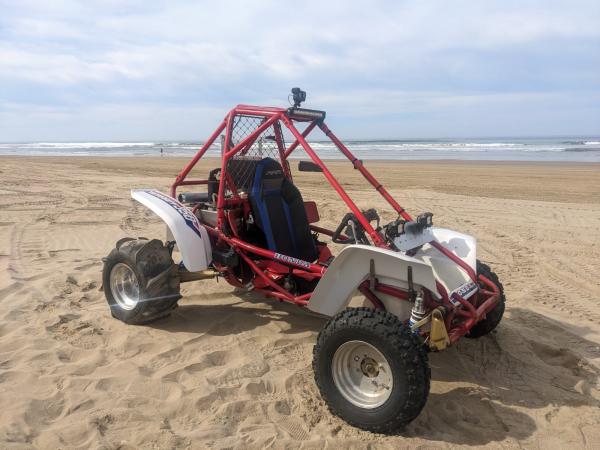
[418, 310]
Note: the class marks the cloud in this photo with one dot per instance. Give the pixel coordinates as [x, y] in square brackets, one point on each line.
[107, 122]
[189, 54]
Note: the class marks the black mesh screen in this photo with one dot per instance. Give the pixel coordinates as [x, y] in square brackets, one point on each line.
[241, 166]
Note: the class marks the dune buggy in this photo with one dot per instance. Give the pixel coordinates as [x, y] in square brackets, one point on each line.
[421, 286]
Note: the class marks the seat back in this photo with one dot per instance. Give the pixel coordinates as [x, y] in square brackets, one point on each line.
[279, 212]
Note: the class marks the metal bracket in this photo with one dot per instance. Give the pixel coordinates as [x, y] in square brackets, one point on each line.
[438, 336]
[372, 275]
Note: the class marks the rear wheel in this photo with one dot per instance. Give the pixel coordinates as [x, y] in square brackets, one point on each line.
[493, 318]
[140, 281]
[371, 371]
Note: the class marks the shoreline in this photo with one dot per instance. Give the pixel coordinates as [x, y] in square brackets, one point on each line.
[54, 158]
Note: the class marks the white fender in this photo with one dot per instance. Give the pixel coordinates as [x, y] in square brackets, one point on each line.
[191, 237]
[449, 274]
[352, 266]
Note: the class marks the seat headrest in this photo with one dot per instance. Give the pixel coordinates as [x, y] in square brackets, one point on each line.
[268, 173]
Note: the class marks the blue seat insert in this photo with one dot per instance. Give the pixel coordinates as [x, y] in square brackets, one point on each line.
[278, 210]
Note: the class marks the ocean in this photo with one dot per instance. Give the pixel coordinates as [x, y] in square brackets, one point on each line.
[566, 149]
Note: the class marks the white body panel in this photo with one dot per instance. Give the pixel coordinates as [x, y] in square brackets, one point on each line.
[352, 266]
[191, 237]
[447, 272]
[399, 308]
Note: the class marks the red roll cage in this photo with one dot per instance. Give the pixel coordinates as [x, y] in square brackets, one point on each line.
[271, 118]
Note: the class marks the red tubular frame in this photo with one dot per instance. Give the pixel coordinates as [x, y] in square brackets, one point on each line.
[377, 239]
[357, 163]
[470, 314]
[305, 133]
[180, 180]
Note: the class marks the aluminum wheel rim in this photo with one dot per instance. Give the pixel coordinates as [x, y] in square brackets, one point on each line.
[124, 286]
[362, 374]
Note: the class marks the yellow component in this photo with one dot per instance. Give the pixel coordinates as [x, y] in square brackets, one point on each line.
[438, 336]
[424, 321]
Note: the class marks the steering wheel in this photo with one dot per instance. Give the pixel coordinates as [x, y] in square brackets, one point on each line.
[354, 231]
[337, 236]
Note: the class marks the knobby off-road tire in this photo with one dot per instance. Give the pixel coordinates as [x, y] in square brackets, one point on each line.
[404, 356]
[140, 281]
[493, 318]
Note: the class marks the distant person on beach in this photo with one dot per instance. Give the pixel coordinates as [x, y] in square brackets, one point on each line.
[161, 151]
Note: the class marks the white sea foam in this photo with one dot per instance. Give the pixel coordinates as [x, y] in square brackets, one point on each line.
[76, 145]
[548, 149]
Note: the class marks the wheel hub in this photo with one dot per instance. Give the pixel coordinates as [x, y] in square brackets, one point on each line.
[124, 286]
[369, 367]
[362, 374]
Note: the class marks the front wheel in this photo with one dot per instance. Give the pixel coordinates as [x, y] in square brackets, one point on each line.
[371, 370]
[140, 281]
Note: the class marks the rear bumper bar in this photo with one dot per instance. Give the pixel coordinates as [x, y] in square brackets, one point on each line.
[488, 297]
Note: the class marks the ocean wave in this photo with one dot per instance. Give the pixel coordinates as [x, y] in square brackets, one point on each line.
[531, 149]
[581, 142]
[449, 147]
[582, 149]
[395, 144]
[76, 145]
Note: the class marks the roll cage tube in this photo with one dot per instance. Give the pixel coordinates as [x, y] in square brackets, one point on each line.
[272, 116]
[377, 239]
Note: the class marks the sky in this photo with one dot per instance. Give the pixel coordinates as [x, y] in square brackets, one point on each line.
[117, 70]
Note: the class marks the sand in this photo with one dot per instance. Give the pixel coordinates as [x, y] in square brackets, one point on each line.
[230, 370]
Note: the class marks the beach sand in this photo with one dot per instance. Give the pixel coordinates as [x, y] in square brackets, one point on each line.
[230, 370]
